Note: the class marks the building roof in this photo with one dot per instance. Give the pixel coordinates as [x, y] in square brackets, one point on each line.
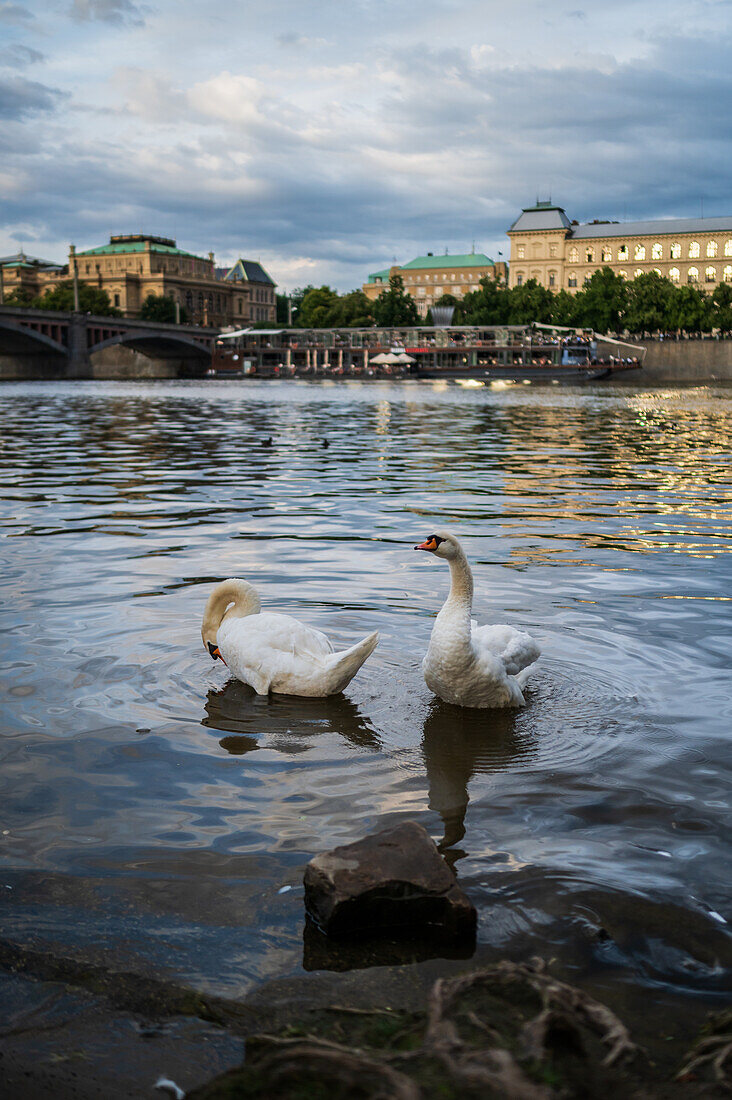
[432, 262]
[139, 242]
[662, 227]
[540, 217]
[249, 271]
[473, 259]
[21, 260]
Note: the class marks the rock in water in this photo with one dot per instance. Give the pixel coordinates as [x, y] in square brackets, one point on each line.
[391, 879]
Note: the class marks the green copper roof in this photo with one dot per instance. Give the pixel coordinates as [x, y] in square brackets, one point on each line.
[474, 259]
[379, 275]
[135, 246]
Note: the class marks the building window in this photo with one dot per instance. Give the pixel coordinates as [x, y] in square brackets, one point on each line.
[623, 252]
[189, 300]
[607, 255]
[623, 274]
[727, 275]
[694, 250]
[520, 252]
[657, 251]
[674, 274]
[639, 252]
[572, 280]
[553, 251]
[712, 248]
[658, 271]
[520, 279]
[638, 271]
[552, 278]
[693, 275]
[728, 248]
[675, 251]
[590, 255]
[710, 275]
[116, 299]
[573, 255]
[239, 304]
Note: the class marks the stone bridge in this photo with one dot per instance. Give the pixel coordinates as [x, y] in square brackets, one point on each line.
[38, 343]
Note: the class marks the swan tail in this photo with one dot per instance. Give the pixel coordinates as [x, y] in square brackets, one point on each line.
[342, 667]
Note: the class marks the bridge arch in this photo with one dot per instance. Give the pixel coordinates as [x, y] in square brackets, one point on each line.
[155, 345]
[18, 339]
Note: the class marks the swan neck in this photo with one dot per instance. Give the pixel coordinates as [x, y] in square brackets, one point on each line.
[460, 583]
[232, 599]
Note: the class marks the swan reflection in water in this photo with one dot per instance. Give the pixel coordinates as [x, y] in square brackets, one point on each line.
[458, 744]
[286, 721]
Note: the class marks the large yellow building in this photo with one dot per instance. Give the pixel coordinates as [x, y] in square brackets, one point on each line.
[427, 278]
[559, 253]
[130, 268]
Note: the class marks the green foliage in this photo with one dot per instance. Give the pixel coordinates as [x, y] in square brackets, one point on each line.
[530, 302]
[91, 300]
[21, 298]
[317, 307]
[690, 310]
[721, 307]
[282, 306]
[394, 307]
[162, 309]
[489, 305]
[601, 303]
[354, 310]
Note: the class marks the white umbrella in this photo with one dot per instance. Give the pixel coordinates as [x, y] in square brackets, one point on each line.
[404, 358]
[383, 357]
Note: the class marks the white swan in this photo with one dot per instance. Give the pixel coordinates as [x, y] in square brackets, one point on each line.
[272, 652]
[467, 664]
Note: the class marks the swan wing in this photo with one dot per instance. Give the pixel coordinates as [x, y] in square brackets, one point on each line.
[515, 648]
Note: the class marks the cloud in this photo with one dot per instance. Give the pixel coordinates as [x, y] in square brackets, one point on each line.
[14, 13]
[302, 41]
[107, 11]
[20, 97]
[17, 56]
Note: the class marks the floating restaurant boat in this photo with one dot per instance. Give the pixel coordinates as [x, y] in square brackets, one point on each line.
[518, 353]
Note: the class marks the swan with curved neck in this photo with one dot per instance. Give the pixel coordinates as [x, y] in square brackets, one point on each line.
[466, 664]
[273, 652]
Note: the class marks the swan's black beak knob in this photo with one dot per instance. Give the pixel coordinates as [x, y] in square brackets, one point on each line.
[214, 651]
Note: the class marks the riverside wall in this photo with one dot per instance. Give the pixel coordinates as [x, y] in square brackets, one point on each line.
[698, 362]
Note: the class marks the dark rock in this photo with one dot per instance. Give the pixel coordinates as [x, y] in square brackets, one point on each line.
[395, 878]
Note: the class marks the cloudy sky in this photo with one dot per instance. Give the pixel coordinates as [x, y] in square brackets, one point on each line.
[329, 138]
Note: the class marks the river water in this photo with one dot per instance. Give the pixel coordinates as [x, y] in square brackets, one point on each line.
[159, 817]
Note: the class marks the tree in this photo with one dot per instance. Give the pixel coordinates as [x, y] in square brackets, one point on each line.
[282, 309]
[564, 308]
[529, 302]
[161, 308]
[601, 304]
[650, 303]
[488, 305]
[394, 307]
[721, 307]
[91, 300]
[691, 310]
[296, 298]
[317, 308]
[353, 310]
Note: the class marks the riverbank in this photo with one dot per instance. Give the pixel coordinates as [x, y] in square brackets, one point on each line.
[77, 1031]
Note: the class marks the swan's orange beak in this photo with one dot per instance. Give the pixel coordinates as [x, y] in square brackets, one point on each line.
[214, 651]
[430, 544]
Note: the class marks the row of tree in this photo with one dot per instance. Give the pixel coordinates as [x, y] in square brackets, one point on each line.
[606, 303]
[92, 300]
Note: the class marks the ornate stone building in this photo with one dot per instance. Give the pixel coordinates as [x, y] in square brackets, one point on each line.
[131, 267]
[428, 277]
[559, 253]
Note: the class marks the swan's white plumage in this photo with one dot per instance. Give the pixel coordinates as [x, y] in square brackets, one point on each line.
[470, 665]
[273, 652]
